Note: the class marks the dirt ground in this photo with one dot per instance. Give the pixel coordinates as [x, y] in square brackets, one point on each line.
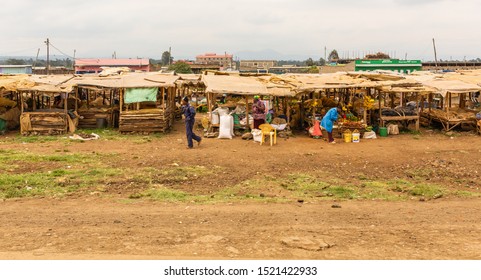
[110, 226]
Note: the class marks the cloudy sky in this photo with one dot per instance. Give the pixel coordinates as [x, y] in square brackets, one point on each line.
[293, 28]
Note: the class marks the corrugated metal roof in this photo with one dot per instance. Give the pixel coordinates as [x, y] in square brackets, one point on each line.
[111, 62]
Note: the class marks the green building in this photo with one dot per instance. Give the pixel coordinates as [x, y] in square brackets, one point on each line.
[402, 66]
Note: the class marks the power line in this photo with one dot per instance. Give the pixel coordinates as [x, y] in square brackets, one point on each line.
[69, 56]
[18, 51]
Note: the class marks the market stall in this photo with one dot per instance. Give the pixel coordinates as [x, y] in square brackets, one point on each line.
[240, 91]
[48, 107]
[99, 107]
[190, 85]
[451, 111]
[400, 102]
[320, 92]
[147, 103]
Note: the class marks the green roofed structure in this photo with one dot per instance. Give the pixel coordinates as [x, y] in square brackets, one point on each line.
[402, 66]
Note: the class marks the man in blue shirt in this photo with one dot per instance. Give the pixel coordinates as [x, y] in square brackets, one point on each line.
[189, 114]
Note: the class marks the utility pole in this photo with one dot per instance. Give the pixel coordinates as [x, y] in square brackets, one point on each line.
[48, 56]
[36, 58]
[325, 54]
[435, 55]
[170, 55]
[73, 63]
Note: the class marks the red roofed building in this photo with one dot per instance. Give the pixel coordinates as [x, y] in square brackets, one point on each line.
[83, 66]
[224, 60]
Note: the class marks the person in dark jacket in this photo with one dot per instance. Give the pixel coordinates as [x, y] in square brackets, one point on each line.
[189, 114]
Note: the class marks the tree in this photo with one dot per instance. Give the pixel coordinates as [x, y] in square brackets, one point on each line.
[322, 61]
[313, 70]
[14, 61]
[310, 62]
[181, 68]
[333, 55]
[166, 58]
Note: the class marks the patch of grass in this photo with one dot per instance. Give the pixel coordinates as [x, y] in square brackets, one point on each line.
[112, 134]
[164, 194]
[384, 190]
[39, 138]
[11, 156]
[344, 192]
[466, 194]
[427, 190]
[178, 173]
[53, 183]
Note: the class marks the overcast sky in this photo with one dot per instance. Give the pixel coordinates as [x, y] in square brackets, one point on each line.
[146, 28]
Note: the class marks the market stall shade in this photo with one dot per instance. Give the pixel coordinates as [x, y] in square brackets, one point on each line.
[220, 84]
[450, 115]
[467, 76]
[13, 82]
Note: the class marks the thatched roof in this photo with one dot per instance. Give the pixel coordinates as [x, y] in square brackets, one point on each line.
[220, 84]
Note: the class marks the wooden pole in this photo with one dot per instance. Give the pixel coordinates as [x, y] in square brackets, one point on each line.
[34, 105]
[65, 103]
[288, 112]
[247, 113]
[76, 99]
[21, 103]
[121, 101]
[430, 101]
[163, 98]
[435, 54]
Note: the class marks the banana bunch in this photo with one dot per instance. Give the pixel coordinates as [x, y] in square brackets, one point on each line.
[368, 102]
[313, 103]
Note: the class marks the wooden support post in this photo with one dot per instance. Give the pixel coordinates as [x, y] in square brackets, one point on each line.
[65, 104]
[76, 99]
[121, 100]
[462, 100]
[430, 101]
[209, 108]
[380, 107]
[21, 104]
[163, 98]
[34, 105]
[247, 113]
[288, 112]
[364, 117]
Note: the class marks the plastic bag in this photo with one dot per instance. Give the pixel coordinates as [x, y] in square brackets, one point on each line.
[393, 129]
[369, 135]
[257, 135]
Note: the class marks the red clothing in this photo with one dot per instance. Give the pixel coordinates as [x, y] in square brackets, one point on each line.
[259, 110]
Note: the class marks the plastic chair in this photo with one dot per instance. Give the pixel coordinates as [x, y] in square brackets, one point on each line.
[268, 130]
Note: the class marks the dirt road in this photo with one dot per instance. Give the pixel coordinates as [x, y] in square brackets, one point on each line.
[109, 225]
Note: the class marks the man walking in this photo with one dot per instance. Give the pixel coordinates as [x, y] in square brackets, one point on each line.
[189, 114]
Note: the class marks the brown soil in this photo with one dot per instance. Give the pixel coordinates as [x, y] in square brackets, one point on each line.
[89, 226]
